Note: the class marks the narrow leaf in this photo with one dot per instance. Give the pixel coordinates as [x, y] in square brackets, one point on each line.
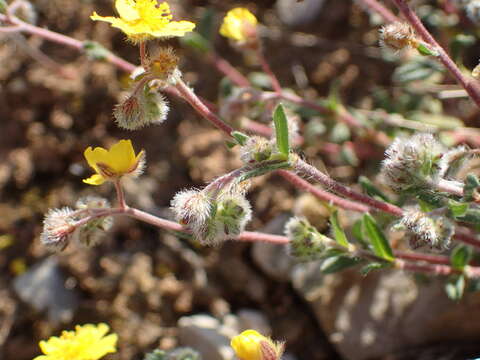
[372, 266]
[371, 189]
[380, 244]
[338, 232]
[281, 130]
[239, 137]
[425, 50]
[338, 263]
[457, 208]
[461, 256]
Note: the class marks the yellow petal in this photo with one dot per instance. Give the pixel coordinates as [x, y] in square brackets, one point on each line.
[95, 156]
[95, 179]
[121, 157]
[174, 28]
[127, 10]
[109, 19]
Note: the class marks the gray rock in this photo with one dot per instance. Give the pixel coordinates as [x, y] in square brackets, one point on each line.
[273, 259]
[208, 336]
[253, 319]
[43, 288]
[294, 13]
[384, 312]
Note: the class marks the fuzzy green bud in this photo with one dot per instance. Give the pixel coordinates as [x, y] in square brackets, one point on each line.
[306, 242]
[412, 164]
[94, 231]
[256, 149]
[142, 108]
[425, 230]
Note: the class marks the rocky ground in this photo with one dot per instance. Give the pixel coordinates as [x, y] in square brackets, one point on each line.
[153, 288]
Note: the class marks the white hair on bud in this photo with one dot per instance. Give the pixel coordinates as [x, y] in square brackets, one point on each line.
[58, 228]
[411, 162]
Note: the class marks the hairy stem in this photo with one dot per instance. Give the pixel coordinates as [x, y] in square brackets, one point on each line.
[201, 108]
[309, 171]
[470, 85]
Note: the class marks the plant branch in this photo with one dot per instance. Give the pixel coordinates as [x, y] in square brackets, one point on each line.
[470, 84]
[309, 171]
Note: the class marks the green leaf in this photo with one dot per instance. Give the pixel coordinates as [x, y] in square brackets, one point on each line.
[95, 51]
[371, 189]
[471, 216]
[457, 208]
[461, 256]
[425, 50]
[455, 287]
[372, 266]
[380, 244]
[196, 41]
[338, 232]
[471, 185]
[338, 263]
[281, 130]
[230, 144]
[263, 170]
[3, 6]
[240, 137]
[420, 69]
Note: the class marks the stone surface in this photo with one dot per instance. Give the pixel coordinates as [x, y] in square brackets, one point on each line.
[294, 13]
[207, 335]
[385, 312]
[43, 288]
[273, 259]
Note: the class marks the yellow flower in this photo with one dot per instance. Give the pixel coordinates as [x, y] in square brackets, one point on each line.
[251, 345]
[117, 161]
[87, 342]
[144, 20]
[239, 24]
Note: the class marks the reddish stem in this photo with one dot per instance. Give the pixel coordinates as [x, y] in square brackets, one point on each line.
[432, 259]
[226, 68]
[472, 87]
[268, 70]
[311, 172]
[322, 194]
[200, 107]
[384, 12]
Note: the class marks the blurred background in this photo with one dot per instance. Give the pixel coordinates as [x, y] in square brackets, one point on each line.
[157, 290]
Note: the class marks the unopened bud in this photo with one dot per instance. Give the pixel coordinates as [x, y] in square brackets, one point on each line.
[164, 66]
[232, 215]
[412, 163]
[425, 230]
[251, 345]
[142, 108]
[94, 231]
[306, 242]
[398, 36]
[58, 228]
[256, 149]
[192, 208]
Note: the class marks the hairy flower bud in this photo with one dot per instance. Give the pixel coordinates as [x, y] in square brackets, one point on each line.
[94, 231]
[425, 230]
[412, 163]
[398, 36]
[163, 66]
[256, 149]
[142, 108]
[58, 228]
[192, 208]
[306, 243]
[232, 214]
